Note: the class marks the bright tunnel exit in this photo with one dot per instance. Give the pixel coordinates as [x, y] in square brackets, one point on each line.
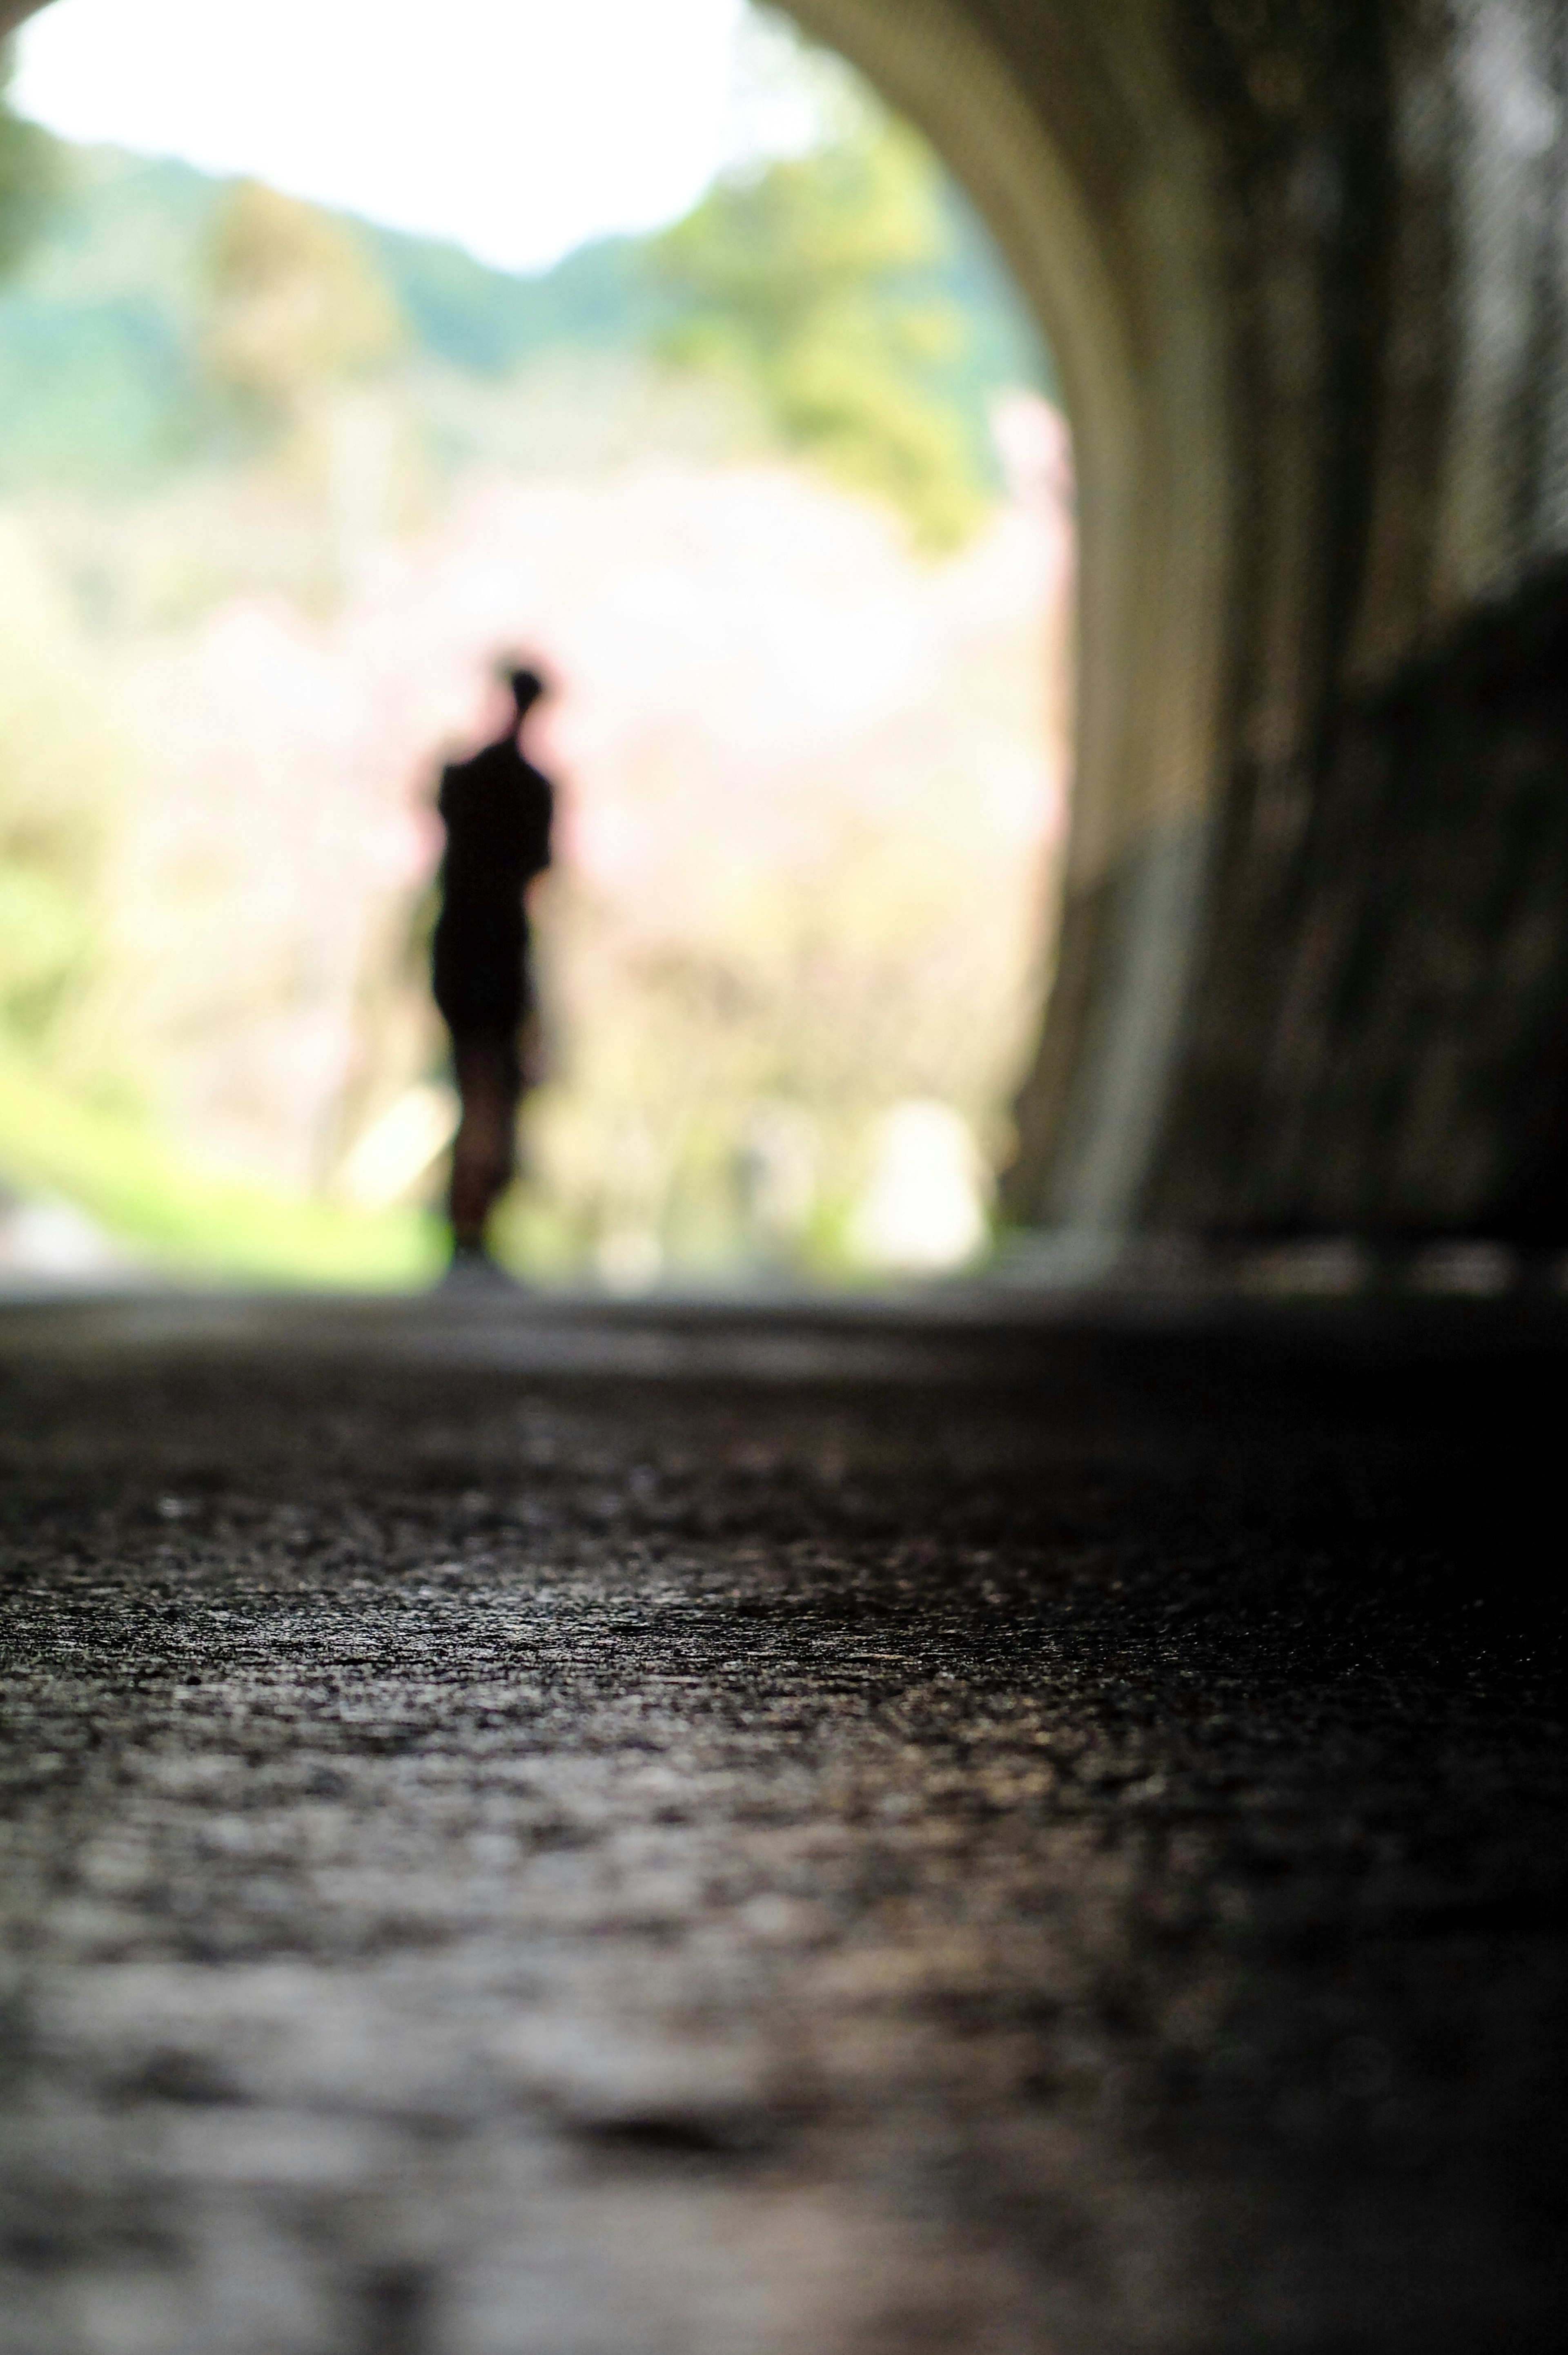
[362, 350]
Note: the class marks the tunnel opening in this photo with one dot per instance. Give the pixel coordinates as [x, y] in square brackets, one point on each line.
[814, 743]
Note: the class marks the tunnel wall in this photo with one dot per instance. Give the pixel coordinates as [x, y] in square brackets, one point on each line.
[1311, 969]
[1376, 1038]
[1381, 1041]
[1378, 1035]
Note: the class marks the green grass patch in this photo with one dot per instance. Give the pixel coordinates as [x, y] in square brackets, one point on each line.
[184, 1219]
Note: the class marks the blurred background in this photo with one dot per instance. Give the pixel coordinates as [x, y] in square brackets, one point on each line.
[644, 344]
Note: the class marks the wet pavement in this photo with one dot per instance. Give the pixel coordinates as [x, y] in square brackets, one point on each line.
[531, 1830]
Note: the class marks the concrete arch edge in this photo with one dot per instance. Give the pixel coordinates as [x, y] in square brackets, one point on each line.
[1024, 102]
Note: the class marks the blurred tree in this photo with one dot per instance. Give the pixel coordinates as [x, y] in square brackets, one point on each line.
[60, 765]
[50, 862]
[31, 173]
[810, 281]
[52, 827]
[296, 306]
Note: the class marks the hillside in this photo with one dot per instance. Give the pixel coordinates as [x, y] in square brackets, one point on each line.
[100, 384]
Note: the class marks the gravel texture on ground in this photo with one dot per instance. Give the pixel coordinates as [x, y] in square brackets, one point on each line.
[536, 1832]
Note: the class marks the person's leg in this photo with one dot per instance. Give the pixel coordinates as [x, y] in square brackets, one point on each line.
[485, 1149]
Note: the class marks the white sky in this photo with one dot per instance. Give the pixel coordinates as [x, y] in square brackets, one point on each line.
[519, 128]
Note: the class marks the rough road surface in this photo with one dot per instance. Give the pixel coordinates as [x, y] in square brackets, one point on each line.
[537, 1832]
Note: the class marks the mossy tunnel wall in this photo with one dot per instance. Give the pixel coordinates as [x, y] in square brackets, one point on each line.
[1304, 265]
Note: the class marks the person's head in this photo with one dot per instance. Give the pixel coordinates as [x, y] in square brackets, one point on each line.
[527, 687]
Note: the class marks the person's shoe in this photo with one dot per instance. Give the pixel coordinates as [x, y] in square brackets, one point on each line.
[472, 1269]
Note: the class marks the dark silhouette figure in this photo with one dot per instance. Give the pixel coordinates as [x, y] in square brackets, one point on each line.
[496, 809]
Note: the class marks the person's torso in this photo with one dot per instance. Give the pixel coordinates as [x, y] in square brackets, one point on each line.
[496, 809]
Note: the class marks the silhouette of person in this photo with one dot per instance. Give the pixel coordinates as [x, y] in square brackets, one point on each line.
[496, 809]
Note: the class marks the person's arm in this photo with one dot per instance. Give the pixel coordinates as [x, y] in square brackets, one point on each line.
[537, 811]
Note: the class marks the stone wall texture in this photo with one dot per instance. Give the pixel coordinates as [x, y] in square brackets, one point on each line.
[1379, 1036]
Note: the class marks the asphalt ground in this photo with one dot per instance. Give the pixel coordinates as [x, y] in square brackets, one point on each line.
[531, 1830]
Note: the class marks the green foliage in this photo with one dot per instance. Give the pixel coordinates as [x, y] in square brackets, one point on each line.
[294, 304]
[99, 386]
[485, 323]
[29, 175]
[811, 282]
[110, 357]
[45, 925]
[172, 1212]
[94, 396]
[58, 786]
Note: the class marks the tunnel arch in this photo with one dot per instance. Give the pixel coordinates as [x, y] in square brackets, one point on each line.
[1079, 147]
[1303, 263]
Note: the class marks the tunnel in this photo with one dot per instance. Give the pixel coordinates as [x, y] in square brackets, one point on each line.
[1027, 1814]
